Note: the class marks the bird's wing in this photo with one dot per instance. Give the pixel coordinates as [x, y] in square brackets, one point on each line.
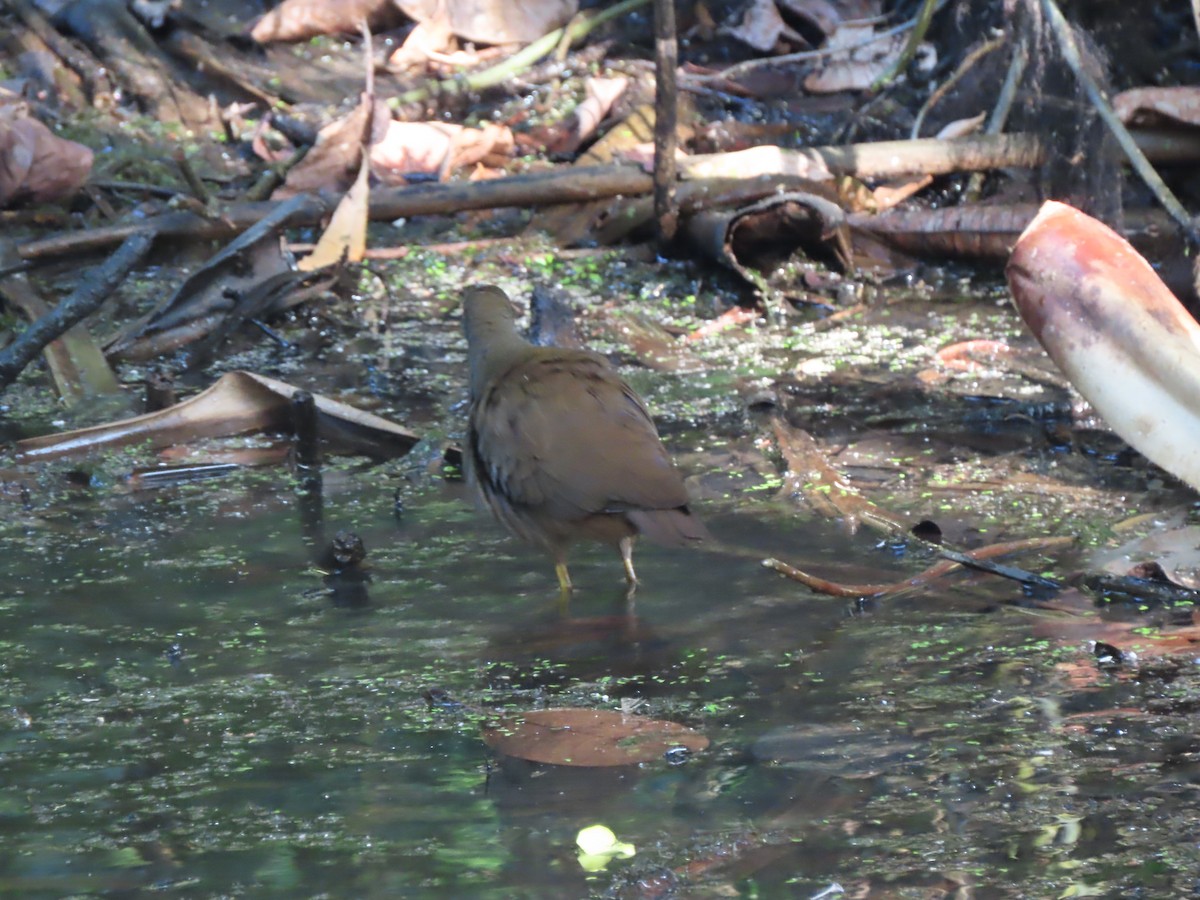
[563, 434]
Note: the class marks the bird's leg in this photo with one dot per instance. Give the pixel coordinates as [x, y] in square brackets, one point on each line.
[626, 548]
[564, 577]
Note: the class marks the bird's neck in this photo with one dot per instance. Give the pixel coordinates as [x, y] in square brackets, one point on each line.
[499, 350]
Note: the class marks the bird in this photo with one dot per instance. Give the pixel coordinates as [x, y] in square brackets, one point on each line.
[560, 448]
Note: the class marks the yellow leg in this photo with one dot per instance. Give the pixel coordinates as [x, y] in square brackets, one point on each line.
[564, 577]
[626, 547]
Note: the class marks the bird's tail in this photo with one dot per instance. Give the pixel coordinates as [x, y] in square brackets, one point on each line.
[669, 527]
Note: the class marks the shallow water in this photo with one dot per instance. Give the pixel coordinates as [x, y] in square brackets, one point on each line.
[191, 710]
[192, 707]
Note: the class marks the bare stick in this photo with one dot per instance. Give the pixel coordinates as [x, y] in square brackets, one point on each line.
[976, 559]
[883, 159]
[666, 59]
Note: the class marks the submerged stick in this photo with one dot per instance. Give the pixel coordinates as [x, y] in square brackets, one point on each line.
[975, 559]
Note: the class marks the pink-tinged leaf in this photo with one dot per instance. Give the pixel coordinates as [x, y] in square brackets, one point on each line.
[1115, 330]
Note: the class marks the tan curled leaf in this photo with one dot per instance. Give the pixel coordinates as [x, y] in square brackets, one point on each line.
[961, 127]
[493, 21]
[436, 148]
[238, 403]
[762, 26]
[345, 237]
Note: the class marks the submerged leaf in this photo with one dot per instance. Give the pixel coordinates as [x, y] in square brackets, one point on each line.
[589, 737]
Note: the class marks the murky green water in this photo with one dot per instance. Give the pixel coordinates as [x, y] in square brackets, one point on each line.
[190, 710]
[190, 707]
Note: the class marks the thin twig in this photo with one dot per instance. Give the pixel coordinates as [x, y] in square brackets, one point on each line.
[975, 559]
[969, 62]
[921, 25]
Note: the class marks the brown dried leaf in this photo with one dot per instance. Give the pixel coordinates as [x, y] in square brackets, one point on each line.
[589, 737]
[857, 64]
[828, 15]
[333, 162]
[429, 40]
[37, 166]
[887, 196]
[437, 148]
[602, 93]
[762, 26]
[969, 232]
[493, 21]
[1128, 637]
[296, 20]
[1150, 105]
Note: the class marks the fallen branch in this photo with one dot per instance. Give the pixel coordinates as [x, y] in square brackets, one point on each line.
[576, 184]
[882, 159]
[666, 113]
[535, 189]
[93, 290]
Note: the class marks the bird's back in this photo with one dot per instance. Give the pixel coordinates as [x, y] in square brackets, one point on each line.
[560, 435]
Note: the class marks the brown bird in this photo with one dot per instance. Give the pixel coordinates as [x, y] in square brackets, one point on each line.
[560, 448]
